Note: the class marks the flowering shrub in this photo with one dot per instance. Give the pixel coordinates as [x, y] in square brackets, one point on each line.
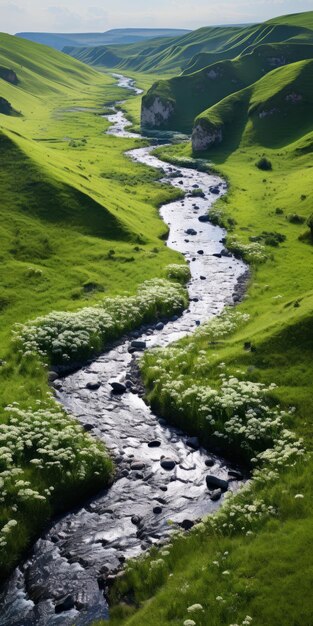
[253, 252]
[73, 337]
[43, 448]
[181, 273]
[235, 412]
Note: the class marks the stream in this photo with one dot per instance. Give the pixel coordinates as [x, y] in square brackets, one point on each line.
[62, 581]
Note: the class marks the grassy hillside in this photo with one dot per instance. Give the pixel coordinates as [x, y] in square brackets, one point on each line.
[252, 565]
[198, 49]
[161, 56]
[275, 110]
[78, 222]
[241, 60]
[191, 94]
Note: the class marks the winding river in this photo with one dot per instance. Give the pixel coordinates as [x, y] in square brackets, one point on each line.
[63, 579]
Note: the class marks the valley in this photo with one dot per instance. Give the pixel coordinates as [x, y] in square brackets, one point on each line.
[156, 288]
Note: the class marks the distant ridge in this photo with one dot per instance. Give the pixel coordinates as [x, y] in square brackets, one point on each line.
[110, 37]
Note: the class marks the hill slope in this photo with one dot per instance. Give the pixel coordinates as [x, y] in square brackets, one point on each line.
[173, 103]
[162, 56]
[276, 110]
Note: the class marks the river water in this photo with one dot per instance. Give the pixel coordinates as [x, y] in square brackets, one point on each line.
[61, 583]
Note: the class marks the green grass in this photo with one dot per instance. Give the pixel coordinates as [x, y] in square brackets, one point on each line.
[78, 222]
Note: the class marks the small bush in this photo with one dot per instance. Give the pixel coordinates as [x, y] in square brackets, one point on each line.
[197, 193]
[294, 218]
[269, 238]
[181, 273]
[264, 164]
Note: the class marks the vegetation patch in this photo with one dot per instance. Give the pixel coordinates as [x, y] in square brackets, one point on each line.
[71, 338]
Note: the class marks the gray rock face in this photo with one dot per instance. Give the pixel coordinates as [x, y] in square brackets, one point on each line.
[157, 114]
[202, 138]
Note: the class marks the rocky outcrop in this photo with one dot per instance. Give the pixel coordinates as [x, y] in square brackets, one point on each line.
[8, 75]
[203, 137]
[156, 113]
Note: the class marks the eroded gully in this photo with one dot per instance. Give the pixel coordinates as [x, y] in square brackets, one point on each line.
[63, 579]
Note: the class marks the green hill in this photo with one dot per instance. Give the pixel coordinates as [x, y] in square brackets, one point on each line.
[163, 55]
[274, 111]
[198, 49]
[184, 97]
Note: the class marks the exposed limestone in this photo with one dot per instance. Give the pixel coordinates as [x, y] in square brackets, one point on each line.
[203, 138]
[156, 114]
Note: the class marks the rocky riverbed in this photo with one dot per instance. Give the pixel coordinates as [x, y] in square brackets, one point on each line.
[161, 481]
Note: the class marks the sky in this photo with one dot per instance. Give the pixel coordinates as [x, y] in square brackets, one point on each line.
[77, 16]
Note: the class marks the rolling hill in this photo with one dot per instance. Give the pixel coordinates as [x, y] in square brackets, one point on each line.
[274, 111]
[175, 102]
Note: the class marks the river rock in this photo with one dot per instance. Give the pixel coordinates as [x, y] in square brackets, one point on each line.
[66, 604]
[203, 218]
[191, 231]
[139, 345]
[217, 483]
[52, 376]
[159, 326]
[168, 464]
[209, 462]
[154, 444]
[216, 495]
[193, 442]
[118, 388]
[187, 524]
[93, 385]
[200, 252]
[137, 465]
[157, 510]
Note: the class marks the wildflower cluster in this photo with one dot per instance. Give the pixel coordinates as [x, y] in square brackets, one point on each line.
[235, 412]
[73, 337]
[241, 513]
[253, 252]
[43, 448]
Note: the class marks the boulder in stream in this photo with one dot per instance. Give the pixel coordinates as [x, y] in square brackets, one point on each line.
[213, 482]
